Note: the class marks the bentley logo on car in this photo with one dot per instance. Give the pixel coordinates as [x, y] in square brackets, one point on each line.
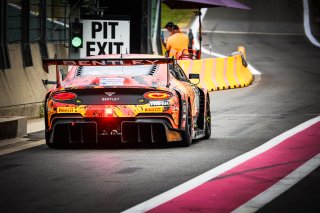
[109, 93]
[110, 99]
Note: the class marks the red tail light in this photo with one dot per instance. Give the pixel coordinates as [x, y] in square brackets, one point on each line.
[158, 95]
[108, 112]
[64, 96]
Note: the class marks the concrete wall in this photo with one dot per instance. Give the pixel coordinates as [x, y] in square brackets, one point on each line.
[21, 89]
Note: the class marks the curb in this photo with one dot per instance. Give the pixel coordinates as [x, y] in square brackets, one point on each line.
[12, 126]
[14, 129]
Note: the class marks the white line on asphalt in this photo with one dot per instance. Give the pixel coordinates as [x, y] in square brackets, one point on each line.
[306, 23]
[277, 189]
[251, 33]
[197, 181]
[195, 28]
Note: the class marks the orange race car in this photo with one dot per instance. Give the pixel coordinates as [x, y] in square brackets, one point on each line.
[140, 98]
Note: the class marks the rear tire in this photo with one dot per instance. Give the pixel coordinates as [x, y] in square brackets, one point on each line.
[208, 120]
[49, 144]
[186, 134]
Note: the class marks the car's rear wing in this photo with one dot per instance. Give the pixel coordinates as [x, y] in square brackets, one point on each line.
[105, 62]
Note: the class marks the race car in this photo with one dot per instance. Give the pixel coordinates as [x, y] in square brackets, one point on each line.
[140, 98]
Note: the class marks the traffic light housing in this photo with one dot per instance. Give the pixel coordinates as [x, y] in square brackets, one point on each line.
[76, 37]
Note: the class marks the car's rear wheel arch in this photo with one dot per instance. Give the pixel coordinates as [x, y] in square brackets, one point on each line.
[187, 132]
[190, 114]
[201, 118]
[45, 111]
[180, 108]
[207, 119]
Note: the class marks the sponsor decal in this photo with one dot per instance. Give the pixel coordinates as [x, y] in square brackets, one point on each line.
[153, 109]
[110, 99]
[66, 110]
[159, 103]
[111, 82]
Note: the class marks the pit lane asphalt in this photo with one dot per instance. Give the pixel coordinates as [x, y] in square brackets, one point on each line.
[112, 179]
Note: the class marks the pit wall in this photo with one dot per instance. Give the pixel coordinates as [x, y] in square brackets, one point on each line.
[21, 89]
[220, 73]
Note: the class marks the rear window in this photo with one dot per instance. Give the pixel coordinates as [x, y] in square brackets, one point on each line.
[136, 70]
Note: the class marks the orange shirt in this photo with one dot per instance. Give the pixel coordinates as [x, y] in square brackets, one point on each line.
[176, 44]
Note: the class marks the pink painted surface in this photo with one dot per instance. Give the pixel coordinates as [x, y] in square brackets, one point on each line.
[235, 187]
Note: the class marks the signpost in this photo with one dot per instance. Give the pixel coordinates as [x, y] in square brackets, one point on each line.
[105, 37]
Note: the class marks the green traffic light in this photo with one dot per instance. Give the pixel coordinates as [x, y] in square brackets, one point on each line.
[76, 42]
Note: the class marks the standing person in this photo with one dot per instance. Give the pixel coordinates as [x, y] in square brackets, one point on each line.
[190, 43]
[177, 43]
[168, 26]
[190, 37]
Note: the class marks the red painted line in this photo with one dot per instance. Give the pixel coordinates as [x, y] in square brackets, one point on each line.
[240, 184]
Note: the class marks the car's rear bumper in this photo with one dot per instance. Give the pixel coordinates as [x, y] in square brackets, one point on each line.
[148, 130]
[151, 130]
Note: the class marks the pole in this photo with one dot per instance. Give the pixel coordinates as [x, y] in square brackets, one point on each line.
[200, 33]
[25, 30]
[4, 55]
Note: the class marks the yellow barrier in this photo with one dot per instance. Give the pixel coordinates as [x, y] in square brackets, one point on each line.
[220, 73]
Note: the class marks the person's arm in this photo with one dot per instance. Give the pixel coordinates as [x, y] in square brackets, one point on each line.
[168, 45]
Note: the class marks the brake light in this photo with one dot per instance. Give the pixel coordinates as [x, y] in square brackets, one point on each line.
[108, 112]
[64, 96]
[158, 95]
